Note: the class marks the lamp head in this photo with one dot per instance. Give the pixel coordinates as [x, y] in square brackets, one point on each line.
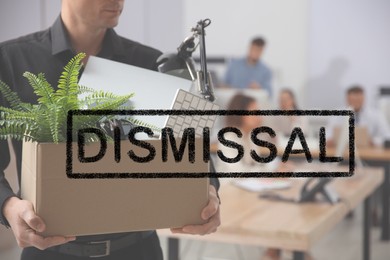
[182, 64]
[174, 64]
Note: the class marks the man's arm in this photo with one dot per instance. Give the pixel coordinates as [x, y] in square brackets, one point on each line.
[227, 80]
[267, 82]
[5, 189]
[17, 213]
[214, 181]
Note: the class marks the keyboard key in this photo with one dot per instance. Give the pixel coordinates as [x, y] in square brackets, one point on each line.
[177, 106]
[176, 128]
[171, 121]
[201, 104]
[186, 105]
[180, 96]
[180, 120]
[194, 103]
[189, 101]
[188, 97]
[194, 124]
[210, 123]
[188, 120]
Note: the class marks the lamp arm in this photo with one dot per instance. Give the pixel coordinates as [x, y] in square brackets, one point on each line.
[206, 87]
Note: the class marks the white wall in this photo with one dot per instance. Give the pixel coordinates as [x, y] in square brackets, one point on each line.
[152, 22]
[235, 23]
[19, 17]
[349, 43]
[317, 47]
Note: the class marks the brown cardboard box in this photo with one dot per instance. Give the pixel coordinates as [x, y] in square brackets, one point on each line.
[97, 206]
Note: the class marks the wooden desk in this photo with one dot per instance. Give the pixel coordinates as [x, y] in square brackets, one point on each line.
[378, 157]
[374, 156]
[248, 220]
[368, 153]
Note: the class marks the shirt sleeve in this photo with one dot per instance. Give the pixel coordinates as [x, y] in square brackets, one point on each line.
[214, 181]
[5, 189]
[229, 74]
[267, 82]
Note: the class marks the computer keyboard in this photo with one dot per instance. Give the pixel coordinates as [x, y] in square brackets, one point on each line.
[185, 100]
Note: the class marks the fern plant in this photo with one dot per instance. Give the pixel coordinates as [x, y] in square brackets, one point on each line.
[46, 120]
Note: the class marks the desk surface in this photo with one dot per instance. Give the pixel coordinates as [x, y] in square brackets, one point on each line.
[367, 153]
[246, 219]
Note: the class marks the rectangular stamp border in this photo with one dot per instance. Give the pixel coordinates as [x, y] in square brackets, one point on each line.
[163, 112]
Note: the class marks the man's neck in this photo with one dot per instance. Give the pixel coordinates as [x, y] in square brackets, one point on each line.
[246, 130]
[358, 110]
[251, 62]
[84, 38]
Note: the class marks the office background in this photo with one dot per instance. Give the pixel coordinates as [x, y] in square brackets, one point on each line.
[316, 47]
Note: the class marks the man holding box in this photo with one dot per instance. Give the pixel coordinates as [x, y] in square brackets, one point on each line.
[83, 26]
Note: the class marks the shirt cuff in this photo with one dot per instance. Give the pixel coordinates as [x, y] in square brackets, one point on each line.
[5, 195]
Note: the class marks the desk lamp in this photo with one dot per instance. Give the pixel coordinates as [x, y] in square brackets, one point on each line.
[182, 64]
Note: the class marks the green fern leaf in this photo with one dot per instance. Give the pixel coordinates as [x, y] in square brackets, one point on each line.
[141, 123]
[113, 104]
[11, 97]
[84, 90]
[41, 87]
[9, 113]
[68, 83]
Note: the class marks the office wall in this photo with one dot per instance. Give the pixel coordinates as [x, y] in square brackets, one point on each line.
[317, 47]
[19, 17]
[348, 43]
[234, 23]
[151, 22]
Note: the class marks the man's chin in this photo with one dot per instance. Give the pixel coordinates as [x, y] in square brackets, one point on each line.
[112, 24]
[253, 61]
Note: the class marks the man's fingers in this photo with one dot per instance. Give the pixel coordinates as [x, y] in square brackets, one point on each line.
[212, 207]
[33, 221]
[58, 240]
[177, 230]
[210, 213]
[43, 243]
[207, 228]
[198, 229]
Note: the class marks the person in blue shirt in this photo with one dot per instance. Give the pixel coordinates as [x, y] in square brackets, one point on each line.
[250, 72]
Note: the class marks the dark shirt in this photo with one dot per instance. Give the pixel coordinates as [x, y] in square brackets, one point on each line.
[49, 51]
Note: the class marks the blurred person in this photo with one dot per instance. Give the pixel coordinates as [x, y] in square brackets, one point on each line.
[83, 26]
[245, 124]
[367, 117]
[250, 71]
[285, 124]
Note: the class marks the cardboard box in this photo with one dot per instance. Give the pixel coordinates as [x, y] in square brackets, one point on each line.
[98, 206]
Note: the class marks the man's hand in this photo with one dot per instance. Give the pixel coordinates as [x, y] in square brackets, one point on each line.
[209, 213]
[25, 224]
